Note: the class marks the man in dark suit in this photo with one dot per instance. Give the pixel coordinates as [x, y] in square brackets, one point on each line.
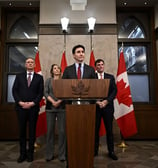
[87, 72]
[105, 110]
[27, 92]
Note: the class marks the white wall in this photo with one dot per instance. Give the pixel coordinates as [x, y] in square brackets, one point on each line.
[52, 10]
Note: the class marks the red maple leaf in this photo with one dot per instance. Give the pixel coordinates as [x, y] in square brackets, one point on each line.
[123, 93]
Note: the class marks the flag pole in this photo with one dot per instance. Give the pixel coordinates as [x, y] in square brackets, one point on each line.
[40, 131]
[63, 63]
[122, 144]
[36, 145]
[64, 41]
[91, 42]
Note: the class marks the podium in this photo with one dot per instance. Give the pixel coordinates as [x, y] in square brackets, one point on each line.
[80, 117]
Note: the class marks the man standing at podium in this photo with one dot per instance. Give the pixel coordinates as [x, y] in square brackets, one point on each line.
[79, 70]
[105, 110]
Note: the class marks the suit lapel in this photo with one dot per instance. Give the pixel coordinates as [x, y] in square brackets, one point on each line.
[74, 71]
[96, 75]
[103, 76]
[33, 79]
[25, 78]
[84, 71]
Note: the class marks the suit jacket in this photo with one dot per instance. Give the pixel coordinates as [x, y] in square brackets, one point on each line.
[21, 91]
[112, 91]
[70, 72]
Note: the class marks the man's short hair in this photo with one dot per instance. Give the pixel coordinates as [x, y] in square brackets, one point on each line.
[30, 58]
[77, 46]
[98, 60]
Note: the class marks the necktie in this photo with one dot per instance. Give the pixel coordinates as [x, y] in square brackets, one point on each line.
[29, 79]
[79, 71]
[101, 76]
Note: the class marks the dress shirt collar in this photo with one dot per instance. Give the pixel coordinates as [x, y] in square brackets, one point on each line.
[100, 75]
[77, 65]
[32, 73]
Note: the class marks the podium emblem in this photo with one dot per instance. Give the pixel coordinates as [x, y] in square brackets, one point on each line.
[80, 89]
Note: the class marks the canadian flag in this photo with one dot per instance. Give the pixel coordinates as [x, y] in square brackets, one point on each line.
[102, 130]
[92, 60]
[41, 127]
[63, 62]
[124, 110]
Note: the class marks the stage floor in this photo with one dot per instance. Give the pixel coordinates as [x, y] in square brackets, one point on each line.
[138, 154]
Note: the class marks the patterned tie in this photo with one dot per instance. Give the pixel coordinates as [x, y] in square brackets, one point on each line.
[101, 76]
[79, 71]
[29, 79]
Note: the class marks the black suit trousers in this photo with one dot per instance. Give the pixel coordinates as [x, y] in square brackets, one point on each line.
[107, 116]
[27, 118]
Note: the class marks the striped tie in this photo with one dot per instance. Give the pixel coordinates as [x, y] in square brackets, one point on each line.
[101, 76]
[29, 79]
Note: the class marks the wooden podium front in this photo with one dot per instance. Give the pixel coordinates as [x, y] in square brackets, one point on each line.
[80, 117]
[80, 124]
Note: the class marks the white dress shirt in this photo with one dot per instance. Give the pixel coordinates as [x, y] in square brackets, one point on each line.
[100, 75]
[32, 73]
